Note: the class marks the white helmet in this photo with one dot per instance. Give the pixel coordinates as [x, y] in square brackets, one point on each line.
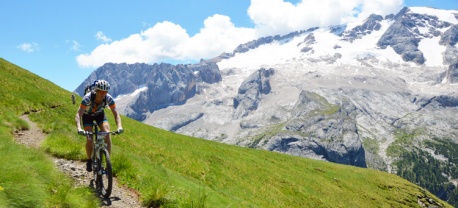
[102, 85]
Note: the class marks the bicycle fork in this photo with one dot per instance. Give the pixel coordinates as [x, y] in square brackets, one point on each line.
[97, 157]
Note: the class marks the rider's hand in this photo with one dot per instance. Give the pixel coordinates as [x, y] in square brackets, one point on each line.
[81, 132]
[120, 130]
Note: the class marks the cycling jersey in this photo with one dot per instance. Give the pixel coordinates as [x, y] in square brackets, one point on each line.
[92, 108]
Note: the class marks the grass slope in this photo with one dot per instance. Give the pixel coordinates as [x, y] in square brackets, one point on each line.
[28, 177]
[172, 170]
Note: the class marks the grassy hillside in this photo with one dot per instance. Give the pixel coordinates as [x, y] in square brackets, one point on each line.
[28, 177]
[172, 170]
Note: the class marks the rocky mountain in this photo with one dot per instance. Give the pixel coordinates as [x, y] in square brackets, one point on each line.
[379, 93]
[168, 84]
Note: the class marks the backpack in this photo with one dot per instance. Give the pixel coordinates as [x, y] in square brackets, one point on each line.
[87, 90]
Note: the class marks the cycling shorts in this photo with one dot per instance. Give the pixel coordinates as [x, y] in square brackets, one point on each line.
[98, 118]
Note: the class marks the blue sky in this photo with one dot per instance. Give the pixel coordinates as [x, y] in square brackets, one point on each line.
[65, 41]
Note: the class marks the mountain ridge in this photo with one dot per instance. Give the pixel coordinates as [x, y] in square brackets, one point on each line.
[349, 94]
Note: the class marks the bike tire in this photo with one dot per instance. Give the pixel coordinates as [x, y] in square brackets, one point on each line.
[105, 174]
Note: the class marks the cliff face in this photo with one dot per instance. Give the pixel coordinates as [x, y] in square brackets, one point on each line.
[166, 84]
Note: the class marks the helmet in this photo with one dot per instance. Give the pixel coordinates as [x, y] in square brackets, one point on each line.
[102, 85]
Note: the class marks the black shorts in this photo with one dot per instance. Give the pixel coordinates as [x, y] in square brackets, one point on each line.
[98, 118]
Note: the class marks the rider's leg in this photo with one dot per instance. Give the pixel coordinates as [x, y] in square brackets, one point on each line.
[87, 123]
[106, 128]
[89, 148]
[89, 142]
[102, 122]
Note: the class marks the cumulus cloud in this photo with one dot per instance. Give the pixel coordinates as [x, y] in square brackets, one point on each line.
[169, 41]
[273, 17]
[100, 36]
[29, 47]
[381, 7]
[218, 35]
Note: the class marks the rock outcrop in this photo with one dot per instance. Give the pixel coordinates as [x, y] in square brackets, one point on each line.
[319, 130]
[166, 84]
[452, 72]
[250, 92]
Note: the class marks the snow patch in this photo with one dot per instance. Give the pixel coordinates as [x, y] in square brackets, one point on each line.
[135, 93]
[444, 15]
[432, 51]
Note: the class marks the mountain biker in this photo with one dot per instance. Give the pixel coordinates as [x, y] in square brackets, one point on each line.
[92, 109]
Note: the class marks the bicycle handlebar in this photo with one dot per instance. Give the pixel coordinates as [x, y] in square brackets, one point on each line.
[85, 133]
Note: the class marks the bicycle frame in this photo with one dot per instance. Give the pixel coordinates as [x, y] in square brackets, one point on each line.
[99, 147]
[98, 143]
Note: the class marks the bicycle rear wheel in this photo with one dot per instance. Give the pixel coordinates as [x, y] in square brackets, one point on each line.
[104, 174]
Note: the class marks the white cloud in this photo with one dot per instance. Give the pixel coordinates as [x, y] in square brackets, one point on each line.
[382, 7]
[273, 17]
[100, 36]
[74, 45]
[218, 35]
[29, 47]
[169, 41]
[152, 45]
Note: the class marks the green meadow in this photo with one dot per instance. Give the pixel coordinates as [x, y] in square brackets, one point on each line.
[169, 169]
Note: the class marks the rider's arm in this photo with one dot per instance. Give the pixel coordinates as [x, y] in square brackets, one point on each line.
[116, 116]
[78, 116]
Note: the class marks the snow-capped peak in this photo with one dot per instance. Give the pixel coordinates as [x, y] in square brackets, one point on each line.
[374, 40]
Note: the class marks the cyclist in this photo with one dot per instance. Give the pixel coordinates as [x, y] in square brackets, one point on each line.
[92, 109]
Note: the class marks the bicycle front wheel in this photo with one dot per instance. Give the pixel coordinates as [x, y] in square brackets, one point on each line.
[104, 174]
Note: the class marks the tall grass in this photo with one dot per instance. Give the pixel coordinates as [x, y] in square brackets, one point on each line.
[28, 177]
[172, 170]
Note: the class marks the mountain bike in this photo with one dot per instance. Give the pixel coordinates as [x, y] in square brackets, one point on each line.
[101, 163]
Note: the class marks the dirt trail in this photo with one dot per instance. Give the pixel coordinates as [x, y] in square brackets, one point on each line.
[121, 196]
